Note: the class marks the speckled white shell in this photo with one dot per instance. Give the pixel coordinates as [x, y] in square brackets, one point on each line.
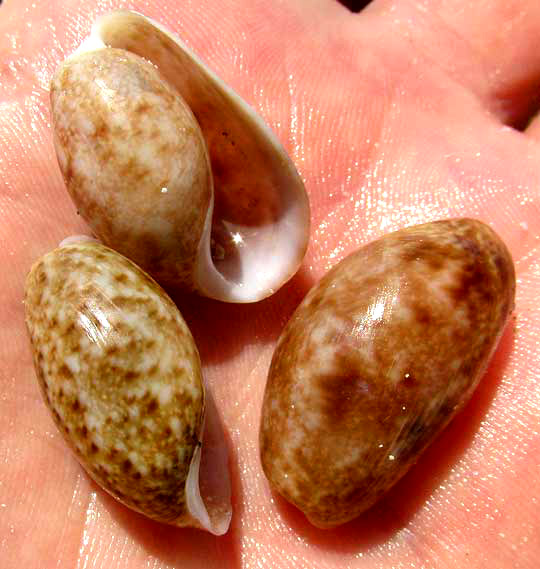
[120, 372]
[130, 173]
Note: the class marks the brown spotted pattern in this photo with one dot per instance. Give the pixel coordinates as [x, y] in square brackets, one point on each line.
[134, 160]
[377, 359]
[119, 370]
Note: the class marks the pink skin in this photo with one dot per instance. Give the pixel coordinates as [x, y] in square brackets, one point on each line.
[394, 116]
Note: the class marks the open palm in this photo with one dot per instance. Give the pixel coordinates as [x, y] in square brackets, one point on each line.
[404, 113]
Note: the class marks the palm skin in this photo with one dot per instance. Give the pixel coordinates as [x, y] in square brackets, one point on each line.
[398, 115]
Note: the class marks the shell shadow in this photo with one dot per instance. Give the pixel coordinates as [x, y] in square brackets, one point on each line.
[221, 330]
[393, 512]
[174, 547]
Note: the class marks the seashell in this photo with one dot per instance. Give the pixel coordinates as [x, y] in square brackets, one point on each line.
[144, 132]
[120, 372]
[377, 359]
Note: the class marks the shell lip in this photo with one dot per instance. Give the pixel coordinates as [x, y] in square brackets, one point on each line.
[263, 267]
[208, 487]
[215, 524]
[269, 253]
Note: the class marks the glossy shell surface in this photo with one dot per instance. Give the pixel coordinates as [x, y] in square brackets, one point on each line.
[120, 373]
[377, 359]
[130, 110]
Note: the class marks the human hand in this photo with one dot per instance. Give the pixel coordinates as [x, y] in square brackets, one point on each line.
[398, 115]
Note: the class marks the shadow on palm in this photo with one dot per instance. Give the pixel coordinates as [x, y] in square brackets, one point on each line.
[223, 330]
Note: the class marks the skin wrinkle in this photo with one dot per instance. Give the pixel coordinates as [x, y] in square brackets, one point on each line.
[80, 500]
[513, 99]
[428, 520]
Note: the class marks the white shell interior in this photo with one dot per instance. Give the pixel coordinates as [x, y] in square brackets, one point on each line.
[208, 488]
[265, 253]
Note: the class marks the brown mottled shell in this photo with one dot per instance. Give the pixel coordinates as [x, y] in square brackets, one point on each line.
[120, 372]
[377, 359]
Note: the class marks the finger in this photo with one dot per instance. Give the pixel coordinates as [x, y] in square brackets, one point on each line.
[489, 47]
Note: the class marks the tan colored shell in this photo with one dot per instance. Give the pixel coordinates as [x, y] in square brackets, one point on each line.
[377, 359]
[119, 370]
[134, 160]
[143, 145]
